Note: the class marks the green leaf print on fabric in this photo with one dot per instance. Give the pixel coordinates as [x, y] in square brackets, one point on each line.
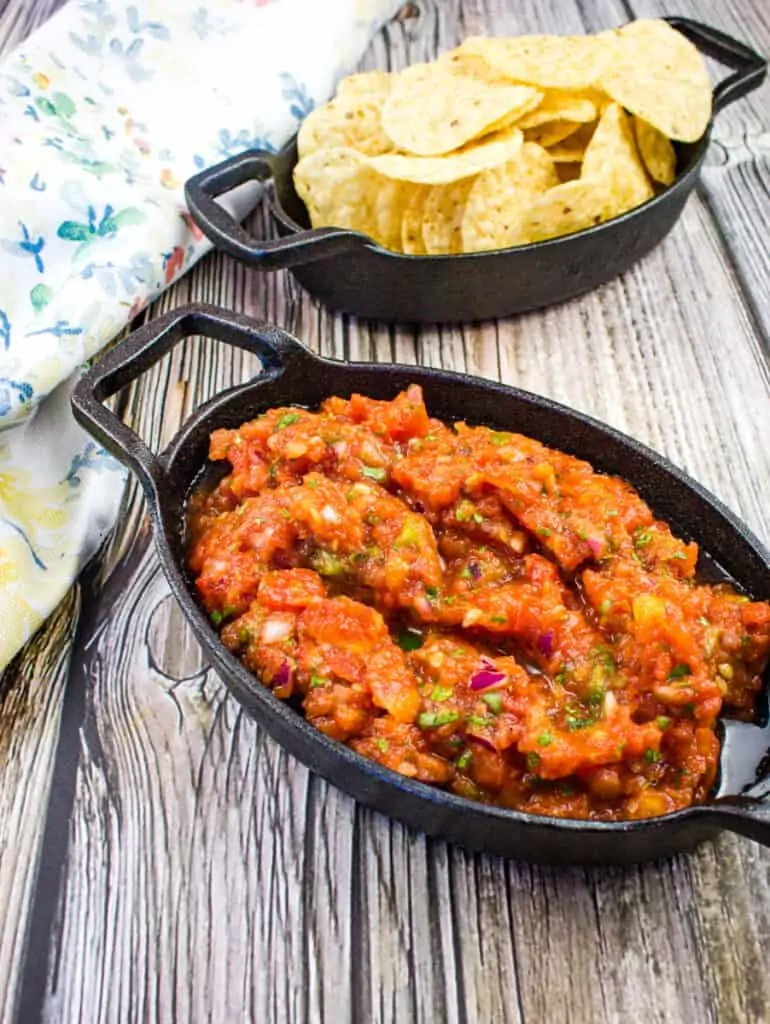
[107, 227]
[40, 296]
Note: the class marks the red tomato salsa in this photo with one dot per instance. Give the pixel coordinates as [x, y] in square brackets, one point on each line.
[473, 609]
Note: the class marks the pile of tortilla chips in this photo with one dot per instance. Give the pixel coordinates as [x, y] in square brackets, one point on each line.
[504, 142]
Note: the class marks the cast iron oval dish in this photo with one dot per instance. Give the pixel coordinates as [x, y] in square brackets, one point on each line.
[293, 376]
[348, 271]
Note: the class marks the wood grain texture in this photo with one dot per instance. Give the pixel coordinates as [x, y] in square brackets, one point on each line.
[31, 691]
[210, 877]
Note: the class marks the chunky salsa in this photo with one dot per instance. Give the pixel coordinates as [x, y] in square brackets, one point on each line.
[473, 609]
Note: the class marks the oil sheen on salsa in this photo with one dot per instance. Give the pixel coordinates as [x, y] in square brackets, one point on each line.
[473, 609]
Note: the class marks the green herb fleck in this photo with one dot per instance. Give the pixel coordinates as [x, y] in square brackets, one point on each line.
[533, 760]
[466, 574]
[287, 420]
[494, 701]
[326, 563]
[383, 745]
[432, 593]
[642, 539]
[409, 640]
[651, 756]
[605, 606]
[662, 722]
[498, 440]
[445, 717]
[678, 671]
[544, 739]
[579, 717]
[432, 719]
[441, 693]
[543, 531]
[216, 617]
[317, 681]
[499, 620]
[479, 720]
[464, 759]
[374, 472]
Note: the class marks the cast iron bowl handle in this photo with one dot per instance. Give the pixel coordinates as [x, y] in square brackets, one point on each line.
[747, 815]
[221, 228]
[750, 66]
[143, 348]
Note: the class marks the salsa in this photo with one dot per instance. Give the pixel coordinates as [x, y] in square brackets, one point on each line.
[473, 609]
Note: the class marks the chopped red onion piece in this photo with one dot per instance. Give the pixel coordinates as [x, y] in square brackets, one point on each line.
[595, 545]
[475, 570]
[545, 643]
[418, 507]
[483, 741]
[283, 675]
[487, 677]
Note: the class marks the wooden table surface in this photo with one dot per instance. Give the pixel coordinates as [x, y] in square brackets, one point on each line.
[162, 859]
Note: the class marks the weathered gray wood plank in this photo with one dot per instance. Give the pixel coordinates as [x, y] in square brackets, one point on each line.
[31, 692]
[210, 877]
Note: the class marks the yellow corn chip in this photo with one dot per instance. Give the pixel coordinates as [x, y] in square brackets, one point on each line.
[551, 62]
[432, 110]
[656, 152]
[558, 105]
[442, 217]
[550, 133]
[501, 197]
[612, 160]
[661, 77]
[570, 207]
[442, 170]
[339, 189]
[412, 241]
[390, 203]
[352, 121]
[366, 83]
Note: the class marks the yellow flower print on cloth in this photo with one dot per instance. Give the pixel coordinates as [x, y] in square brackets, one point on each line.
[93, 224]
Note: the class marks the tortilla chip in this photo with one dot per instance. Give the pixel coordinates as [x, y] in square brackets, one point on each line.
[657, 74]
[501, 197]
[351, 122]
[432, 110]
[442, 170]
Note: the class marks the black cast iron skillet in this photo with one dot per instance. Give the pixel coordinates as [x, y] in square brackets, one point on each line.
[292, 375]
[348, 271]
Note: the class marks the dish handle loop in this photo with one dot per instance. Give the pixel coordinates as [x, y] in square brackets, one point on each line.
[143, 348]
[221, 228]
[747, 815]
[749, 66]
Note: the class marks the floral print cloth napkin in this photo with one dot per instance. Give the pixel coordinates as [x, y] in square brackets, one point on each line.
[104, 113]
